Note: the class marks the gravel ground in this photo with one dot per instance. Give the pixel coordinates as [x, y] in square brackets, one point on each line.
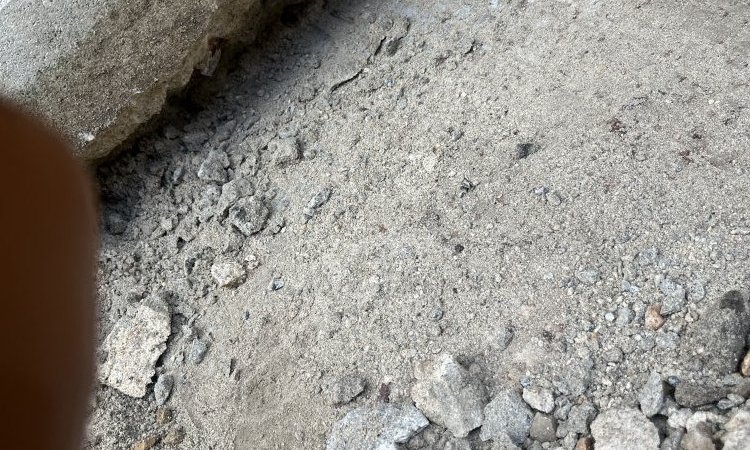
[549, 195]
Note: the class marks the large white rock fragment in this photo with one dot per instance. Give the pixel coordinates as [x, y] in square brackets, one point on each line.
[133, 346]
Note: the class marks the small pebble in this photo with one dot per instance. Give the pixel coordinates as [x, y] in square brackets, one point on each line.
[276, 284]
[540, 399]
[585, 443]
[163, 415]
[652, 395]
[745, 365]
[163, 388]
[174, 436]
[145, 444]
[543, 428]
[624, 316]
[284, 151]
[228, 274]
[653, 319]
[198, 350]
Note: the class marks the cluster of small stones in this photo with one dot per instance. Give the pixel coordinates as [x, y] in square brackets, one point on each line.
[451, 408]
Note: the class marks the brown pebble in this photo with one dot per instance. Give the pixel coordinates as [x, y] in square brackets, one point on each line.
[163, 415]
[174, 436]
[585, 443]
[146, 443]
[654, 320]
[745, 366]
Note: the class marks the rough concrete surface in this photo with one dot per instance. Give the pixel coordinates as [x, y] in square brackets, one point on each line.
[99, 69]
[510, 183]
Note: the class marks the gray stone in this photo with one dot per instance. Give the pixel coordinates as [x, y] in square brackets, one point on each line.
[652, 395]
[133, 346]
[504, 337]
[163, 388]
[704, 420]
[214, 167]
[693, 395]
[231, 192]
[318, 200]
[624, 428]
[648, 257]
[99, 69]
[579, 419]
[284, 151]
[697, 440]
[696, 291]
[737, 429]
[508, 414]
[503, 442]
[197, 351]
[674, 297]
[539, 399]
[543, 428]
[346, 389]
[588, 276]
[625, 315]
[228, 274]
[667, 340]
[381, 427]
[248, 215]
[448, 395]
[673, 440]
[679, 418]
[717, 339]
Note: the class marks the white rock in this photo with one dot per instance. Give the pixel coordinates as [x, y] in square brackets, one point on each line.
[624, 429]
[539, 399]
[228, 274]
[449, 396]
[737, 435]
[133, 347]
[382, 427]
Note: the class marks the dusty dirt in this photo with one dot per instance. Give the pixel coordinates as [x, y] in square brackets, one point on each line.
[466, 171]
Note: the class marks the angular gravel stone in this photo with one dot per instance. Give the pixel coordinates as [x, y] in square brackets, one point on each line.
[624, 428]
[346, 389]
[284, 151]
[693, 395]
[197, 351]
[449, 396]
[717, 339]
[228, 274]
[579, 419]
[624, 316]
[543, 428]
[133, 347]
[745, 365]
[381, 427]
[508, 414]
[674, 297]
[248, 215]
[163, 388]
[737, 435]
[214, 167]
[652, 395]
[539, 399]
[231, 192]
[654, 319]
[697, 440]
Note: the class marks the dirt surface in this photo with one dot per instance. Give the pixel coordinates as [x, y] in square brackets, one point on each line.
[513, 183]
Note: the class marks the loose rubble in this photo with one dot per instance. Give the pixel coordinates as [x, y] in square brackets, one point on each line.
[381, 427]
[449, 396]
[133, 346]
[624, 428]
[507, 414]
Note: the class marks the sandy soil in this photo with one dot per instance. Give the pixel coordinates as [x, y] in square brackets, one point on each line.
[437, 175]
